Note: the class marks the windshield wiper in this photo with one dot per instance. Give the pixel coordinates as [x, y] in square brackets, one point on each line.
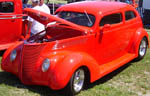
[90, 21]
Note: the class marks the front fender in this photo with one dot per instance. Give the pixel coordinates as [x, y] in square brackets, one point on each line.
[140, 33]
[61, 73]
[6, 64]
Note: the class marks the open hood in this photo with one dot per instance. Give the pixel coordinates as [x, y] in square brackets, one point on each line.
[45, 18]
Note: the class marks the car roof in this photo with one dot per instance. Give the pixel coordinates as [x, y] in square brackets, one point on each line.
[93, 6]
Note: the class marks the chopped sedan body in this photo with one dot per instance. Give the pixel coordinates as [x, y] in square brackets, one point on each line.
[82, 43]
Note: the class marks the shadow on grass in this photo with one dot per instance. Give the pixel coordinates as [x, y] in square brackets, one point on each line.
[2, 52]
[11, 80]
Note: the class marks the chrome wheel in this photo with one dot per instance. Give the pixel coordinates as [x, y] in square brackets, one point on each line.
[78, 81]
[143, 48]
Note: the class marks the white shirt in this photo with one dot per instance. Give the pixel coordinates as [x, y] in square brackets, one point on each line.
[36, 26]
[46, 8]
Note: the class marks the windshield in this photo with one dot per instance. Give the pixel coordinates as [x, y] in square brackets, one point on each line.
[127, 1]
[82, 19]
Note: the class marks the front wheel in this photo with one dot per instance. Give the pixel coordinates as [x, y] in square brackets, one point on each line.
[142, 49]
[76, 82]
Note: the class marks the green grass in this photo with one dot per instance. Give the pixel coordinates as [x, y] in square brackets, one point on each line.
[129, 80]
[133, 79]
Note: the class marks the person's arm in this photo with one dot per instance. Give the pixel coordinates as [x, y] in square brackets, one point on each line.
[30, 20]
[29, 27]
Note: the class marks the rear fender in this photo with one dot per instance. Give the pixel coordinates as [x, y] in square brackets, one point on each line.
[138, 36]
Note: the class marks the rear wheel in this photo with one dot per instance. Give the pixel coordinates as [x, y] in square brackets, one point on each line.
[76, 82]
[142, 49]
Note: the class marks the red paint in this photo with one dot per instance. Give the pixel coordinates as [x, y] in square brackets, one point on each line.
[12, 25]
[100, 49]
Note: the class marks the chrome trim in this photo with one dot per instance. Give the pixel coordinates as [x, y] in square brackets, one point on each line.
[18, 16]
[12, 15]
[10, 18]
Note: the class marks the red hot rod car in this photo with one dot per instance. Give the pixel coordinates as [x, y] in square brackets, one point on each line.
[83, 42]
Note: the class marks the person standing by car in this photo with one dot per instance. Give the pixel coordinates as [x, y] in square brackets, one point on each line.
[24, 2]
[34, 25]
[45, 7]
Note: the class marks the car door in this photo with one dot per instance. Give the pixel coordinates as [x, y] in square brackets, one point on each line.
[112, 40]
[10, 22]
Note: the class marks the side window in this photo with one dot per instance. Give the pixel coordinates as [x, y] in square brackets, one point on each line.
[6, 7]
[111, 19]
[129, 15]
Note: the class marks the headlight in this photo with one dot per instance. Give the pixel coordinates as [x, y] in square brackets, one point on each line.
[45, 65]
[13, 55]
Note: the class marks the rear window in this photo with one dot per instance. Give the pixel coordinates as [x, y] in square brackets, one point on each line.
[129, 15]
[111, 19]
[6, 7]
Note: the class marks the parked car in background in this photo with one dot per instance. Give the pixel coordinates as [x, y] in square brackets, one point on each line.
[82, 44]
[13, 27]
[12, 22]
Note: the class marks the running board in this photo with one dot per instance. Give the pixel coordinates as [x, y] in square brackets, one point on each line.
[113, 65]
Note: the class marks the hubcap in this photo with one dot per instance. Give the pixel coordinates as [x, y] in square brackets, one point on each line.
[143, 47]
[78, 80]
